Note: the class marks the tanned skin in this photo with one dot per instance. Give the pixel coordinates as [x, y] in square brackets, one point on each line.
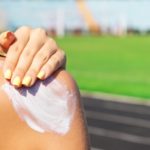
[17, 135]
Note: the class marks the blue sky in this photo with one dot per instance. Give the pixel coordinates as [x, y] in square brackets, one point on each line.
[107, 12]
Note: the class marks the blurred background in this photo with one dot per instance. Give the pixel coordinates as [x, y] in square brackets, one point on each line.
[107, 43]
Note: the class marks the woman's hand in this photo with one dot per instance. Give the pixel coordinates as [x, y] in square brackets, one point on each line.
[31, 55]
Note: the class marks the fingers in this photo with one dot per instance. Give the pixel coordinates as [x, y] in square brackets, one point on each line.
[56, 61]
[27, 56]
[6, 39]
[44, 54]
[33, 55]
[22, 35]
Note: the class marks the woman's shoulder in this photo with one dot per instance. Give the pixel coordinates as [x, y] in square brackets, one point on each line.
[59, 92]
[66, 79]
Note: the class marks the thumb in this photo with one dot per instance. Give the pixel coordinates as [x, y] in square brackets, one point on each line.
[6, 40]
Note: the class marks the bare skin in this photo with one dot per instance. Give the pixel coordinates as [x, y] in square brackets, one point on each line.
[15, 134]
[31, 54]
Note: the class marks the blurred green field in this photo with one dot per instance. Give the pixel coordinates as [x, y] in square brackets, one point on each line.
[110, 64]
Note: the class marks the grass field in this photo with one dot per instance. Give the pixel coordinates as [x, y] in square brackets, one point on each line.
[110, 64]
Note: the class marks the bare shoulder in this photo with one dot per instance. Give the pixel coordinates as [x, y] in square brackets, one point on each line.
[57, 105]
[65, 78]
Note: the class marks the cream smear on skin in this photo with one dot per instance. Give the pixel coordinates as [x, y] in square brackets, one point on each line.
[47, 106]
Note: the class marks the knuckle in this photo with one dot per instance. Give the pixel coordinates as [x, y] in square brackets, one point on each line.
[51, 51]
[16, 48]
[42, 57]
[52, 42]
[24, 28]
[40, 31]
[26, 53]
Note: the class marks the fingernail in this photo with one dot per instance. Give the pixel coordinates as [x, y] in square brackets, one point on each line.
[8, 74]
[41, 75]
[27, 81]
[17, 81]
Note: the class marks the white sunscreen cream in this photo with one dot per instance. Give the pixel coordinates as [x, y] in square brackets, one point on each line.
[47, 106]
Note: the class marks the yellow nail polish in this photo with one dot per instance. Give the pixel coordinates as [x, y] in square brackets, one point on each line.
[27, 81]
[17, 81]
[8, 74]
[41, 75]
